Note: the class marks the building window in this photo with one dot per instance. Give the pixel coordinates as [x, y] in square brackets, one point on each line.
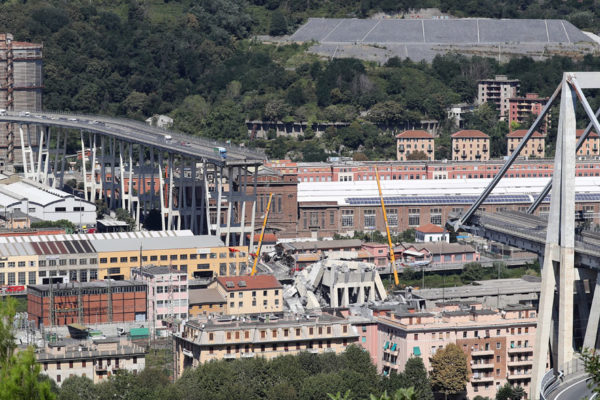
[435, 216]
[22, 278]
[392, 217]
[331, 217]
[414, 216]
[347, 218]
[369, 216]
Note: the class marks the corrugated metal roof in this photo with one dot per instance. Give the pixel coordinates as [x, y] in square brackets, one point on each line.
[158, 243]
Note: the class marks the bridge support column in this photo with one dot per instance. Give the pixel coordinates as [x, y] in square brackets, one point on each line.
[591, 332]
[559, 254]
[84, 166]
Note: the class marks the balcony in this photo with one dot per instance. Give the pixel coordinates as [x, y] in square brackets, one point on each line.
[249, 354]
[482, 366]
[401, 148]
[540, 149]
[477, 379]
[229, 356]
[513, 377]
[485, 149]
[482, 353]
[457, 149]
[187, 353]
[514, 350]
[429, 149]
[100, 368]
[521, 363]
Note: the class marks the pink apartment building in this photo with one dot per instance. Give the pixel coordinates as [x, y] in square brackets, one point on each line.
[498, 343]
[167, 295]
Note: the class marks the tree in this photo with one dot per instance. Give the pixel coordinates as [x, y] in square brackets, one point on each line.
[472, 271]
[416, 376]
[278, 24]
[591, 363]
[417, 155]
[508, 392]
[19, 373]
[123, 215]
[450, 370]
[76, 388]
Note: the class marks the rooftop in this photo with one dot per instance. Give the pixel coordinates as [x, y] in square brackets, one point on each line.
[322, 244]
[257, 282]
[482, 288]
[446, 191]
[520, 133]
[470, 133]
[592, 134]
[430, 228]
[415, 134]
[205, 296]
[86, 285]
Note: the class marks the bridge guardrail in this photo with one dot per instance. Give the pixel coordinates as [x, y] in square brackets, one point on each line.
[549, 382]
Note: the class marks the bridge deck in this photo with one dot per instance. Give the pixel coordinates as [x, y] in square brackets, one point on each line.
[138, 132]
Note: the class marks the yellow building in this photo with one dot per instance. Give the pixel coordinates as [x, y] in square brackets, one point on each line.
[535, 146]
[200, 256]
[470, 145]
[251, 294]
[206, 302]
[590, 145]
[205, 340]
[409, 142]
[30, 260]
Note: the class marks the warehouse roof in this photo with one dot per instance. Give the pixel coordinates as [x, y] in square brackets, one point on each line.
[205, 296]
[445, 191]
[258, 282]
[322, 244]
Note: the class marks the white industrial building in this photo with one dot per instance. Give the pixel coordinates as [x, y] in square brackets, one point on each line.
[45, 203]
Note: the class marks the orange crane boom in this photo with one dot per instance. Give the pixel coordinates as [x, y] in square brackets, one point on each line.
[387, 228]
[262, 233]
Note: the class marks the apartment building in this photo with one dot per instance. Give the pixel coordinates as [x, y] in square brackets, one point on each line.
[410, 142]
[87, 303]
[97, 360]
[591, 145]
[168, 295]
[520, 108]
[250, 294]
[498, 343]
[205, 340]
[470, 145]
[535, 146]
[498, 91]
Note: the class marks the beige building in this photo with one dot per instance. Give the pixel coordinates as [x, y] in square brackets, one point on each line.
[250, 294]
[470, 145]
[535, 146]
[206, 302]
[96, 360]
[409, 142]
[498, 91]
[206, 340]
[591, 144]
[498, 343]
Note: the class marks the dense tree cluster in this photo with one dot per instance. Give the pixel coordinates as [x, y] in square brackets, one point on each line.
[197, 61]
[304, 376]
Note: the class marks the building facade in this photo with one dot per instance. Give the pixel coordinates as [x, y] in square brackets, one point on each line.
[256, 294]
[87, 303]
[535, 146]
[498, 91]
[206, 340]
[522, 107]
[96, 361]
[591, 145]
[30, 260]
[168, 295]
[470, 145]
[20, 90]
[410, 142]
[498, 343]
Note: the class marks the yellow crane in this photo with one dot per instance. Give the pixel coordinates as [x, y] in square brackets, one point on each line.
[387, 228]
[262, 233]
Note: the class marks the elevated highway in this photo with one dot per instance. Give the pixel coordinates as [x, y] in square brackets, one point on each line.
[195, 183]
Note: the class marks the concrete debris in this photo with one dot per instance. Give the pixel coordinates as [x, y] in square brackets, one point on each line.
[335, 283]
